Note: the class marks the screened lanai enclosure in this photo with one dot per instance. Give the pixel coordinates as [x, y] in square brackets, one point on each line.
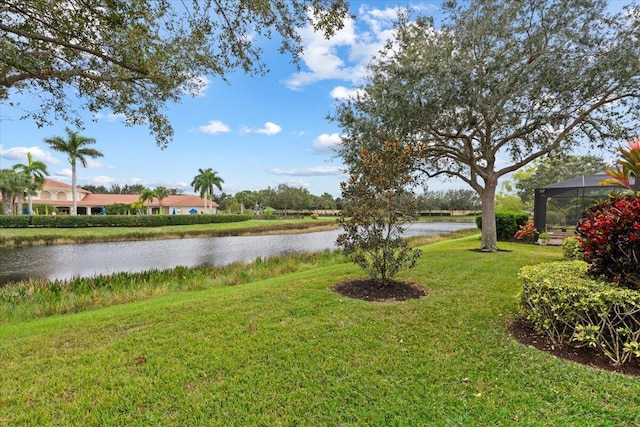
[560, 205]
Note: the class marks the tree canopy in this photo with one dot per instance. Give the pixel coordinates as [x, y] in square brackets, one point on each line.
[498, 85]
[204, 182]
[134, 56]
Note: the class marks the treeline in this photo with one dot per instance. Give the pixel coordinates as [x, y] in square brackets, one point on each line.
[285, 197]
[282, 198]
[449, 200]
[125, 189]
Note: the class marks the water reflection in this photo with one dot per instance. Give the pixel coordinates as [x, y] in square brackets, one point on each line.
[85, 260]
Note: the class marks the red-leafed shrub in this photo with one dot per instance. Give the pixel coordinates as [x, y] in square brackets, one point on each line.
[610, 237]
[527, 232]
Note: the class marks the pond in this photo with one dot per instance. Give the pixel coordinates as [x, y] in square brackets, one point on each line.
[85, 260]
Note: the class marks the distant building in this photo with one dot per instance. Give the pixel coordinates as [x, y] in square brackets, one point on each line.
[59, 194]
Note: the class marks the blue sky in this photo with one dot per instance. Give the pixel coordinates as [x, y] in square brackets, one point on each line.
[255, 132]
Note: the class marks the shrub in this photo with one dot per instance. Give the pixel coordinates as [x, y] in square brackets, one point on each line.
[610, 232]
[572, 249]
[118, 209]
[67, 221]
[507, 223]
[560, 300]
[527, 232]
[269, 213]
[14, 221]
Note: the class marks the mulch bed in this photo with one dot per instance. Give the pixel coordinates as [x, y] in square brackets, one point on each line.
[371, 290]
[521, 330]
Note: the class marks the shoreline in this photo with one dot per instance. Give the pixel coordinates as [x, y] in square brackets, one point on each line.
[31, 241]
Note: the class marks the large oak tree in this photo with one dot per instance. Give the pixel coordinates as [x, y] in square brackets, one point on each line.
[134, 56]
[499, 84]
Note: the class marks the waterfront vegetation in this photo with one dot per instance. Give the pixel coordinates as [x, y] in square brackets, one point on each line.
[39, 236]
[49, 236]
[275, 346]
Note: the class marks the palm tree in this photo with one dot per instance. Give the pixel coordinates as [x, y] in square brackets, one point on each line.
[147, 195]
[37, 171]
[12, 187]
[161, 193]
[75, 147]
[204, 183]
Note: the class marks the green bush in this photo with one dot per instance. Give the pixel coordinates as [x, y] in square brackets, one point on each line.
[560, 300]
[14, 221]
[118, 209]
[507, 224]
[572, 249]
[78, 221]
[269, 213]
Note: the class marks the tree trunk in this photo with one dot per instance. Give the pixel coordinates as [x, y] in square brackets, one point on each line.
[489, 234]
[20, 204]
[7, 205]
[74, 190]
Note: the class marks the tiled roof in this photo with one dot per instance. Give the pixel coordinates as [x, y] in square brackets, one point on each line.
[49, 183]
[94, 199]
[98, 200]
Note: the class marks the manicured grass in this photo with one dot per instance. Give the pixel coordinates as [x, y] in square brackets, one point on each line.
[288, 351]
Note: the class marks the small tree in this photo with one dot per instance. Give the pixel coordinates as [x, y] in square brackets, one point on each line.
[161, 194]
[37, 171]
[378, 200]
[147, 195]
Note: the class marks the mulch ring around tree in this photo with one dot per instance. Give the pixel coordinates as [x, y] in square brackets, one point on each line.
[523, 332]
[372, 290]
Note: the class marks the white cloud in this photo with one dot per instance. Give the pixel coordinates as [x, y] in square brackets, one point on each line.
[93, 164]
[64, 173]
[296, 183]
[20, 154]
[213, 127]
[345, 55]
[341, 92]
[111, 117]
[269, 129]
[314, 171]
[326, 143]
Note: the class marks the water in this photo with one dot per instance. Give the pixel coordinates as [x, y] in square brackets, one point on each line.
[85, 260]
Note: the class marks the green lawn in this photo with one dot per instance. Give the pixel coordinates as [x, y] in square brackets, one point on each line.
[288, 351]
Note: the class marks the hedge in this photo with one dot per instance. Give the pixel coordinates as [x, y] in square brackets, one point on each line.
[560, 300]
[78, 221]
[507, 223]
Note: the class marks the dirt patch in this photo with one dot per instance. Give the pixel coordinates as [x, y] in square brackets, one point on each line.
[523, 332]
[372, 290]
